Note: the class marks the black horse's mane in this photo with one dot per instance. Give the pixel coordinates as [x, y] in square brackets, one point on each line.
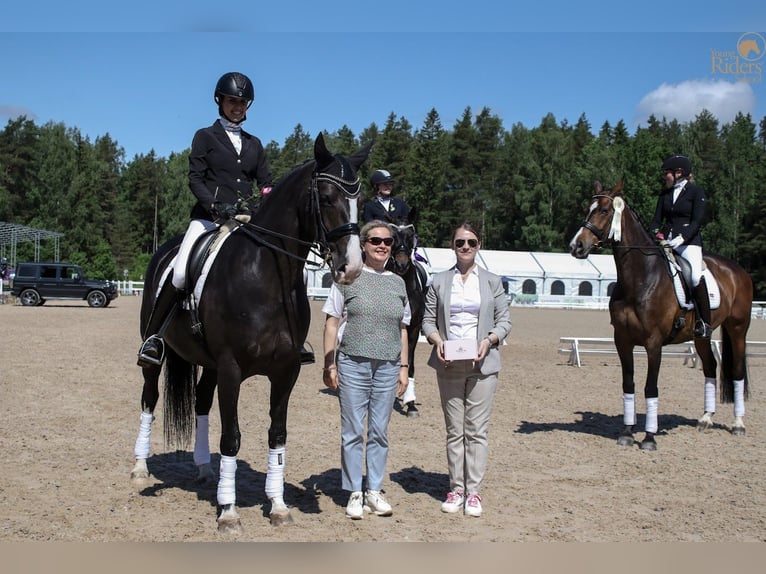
[295, 173]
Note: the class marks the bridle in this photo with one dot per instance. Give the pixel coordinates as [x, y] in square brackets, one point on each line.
[599, 233]
[614, 236]
[320, 245]
[351, 190]
[401, 246]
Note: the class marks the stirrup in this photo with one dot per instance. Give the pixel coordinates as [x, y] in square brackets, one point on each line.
[147, 360]
[702, 330]
[307, 356]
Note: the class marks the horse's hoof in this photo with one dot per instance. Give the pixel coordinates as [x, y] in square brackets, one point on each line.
[738, 431]
[648, 445]
[705, 422]
[140, 472]
[228, 520]
[625, 440]
[281, 518]
[229, 526]
[412, 410]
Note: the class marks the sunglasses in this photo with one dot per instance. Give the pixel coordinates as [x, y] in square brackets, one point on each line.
[388, 241]
[472, 243]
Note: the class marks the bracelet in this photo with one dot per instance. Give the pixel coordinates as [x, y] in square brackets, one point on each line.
[404, 366]
[328, 369]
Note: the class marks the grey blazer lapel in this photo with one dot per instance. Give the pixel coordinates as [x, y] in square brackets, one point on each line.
[446, 287]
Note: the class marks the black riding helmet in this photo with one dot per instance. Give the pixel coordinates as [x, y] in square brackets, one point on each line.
[380, 176]
[676, 162]
[235, 85]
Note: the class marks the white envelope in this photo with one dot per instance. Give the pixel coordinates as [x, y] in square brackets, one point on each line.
[460, 349]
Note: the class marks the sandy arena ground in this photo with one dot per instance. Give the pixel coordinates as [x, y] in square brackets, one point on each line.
[70, 392]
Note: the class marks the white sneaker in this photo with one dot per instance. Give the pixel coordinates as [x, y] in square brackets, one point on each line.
[375, 503]
[354, 508]
[473, 505]
[454, 501]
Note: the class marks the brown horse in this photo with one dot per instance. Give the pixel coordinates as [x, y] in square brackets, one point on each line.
[645, 312]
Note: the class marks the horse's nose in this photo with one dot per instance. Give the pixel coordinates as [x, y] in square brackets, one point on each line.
[576, 248]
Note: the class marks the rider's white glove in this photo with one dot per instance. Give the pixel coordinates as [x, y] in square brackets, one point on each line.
[676, 241]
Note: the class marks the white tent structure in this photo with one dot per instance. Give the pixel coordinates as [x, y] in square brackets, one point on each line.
[536, 278]
[565, 275]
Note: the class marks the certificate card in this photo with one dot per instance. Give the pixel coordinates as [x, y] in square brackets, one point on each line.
[460, 349]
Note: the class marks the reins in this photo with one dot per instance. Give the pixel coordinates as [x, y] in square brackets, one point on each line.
[323, 237]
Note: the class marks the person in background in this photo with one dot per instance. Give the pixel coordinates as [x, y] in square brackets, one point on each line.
[466, 302]
[384, 206]
[367, 367]
[678, 219]
[225, 164]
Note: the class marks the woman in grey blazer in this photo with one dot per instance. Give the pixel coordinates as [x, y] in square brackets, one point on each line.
[466, 303]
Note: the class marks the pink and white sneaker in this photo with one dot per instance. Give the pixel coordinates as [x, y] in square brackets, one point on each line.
[473, 505]
[454, 501]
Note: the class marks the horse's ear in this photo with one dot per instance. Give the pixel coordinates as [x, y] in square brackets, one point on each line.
[617, 189]
[360, 156]
[321, 154]
[597, 188]
[413, 215]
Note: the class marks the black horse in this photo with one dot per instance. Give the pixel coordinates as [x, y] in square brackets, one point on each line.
[645, 312]
[254, 316]
[403, 263]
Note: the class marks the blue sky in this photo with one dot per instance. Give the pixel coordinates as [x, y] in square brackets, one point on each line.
[144, 72]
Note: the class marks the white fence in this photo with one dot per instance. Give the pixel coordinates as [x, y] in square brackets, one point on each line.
[130, 287]
[574, 347]
[137, 288]
[600, 303]
[536, 301]
[577, 346]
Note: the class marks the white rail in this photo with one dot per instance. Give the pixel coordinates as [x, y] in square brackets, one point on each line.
[577, 346]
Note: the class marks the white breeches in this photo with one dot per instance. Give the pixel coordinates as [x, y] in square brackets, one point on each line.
[196, 228]
[693, 254]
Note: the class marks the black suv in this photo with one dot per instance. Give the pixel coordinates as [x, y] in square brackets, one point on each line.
[34, 283]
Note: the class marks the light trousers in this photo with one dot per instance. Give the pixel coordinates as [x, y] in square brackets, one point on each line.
[367, 390]
[466, 398]
[693, 254]
[196, 228]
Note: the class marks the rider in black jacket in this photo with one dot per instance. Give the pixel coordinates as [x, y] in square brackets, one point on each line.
[383, 206]
[225, 165]
[678, 218]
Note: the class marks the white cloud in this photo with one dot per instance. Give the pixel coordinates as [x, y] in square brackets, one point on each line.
[686, 100]
[13, 112]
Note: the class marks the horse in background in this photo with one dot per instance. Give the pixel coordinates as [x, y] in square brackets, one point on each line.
[645, 312]
[405, 262]
[251, 318]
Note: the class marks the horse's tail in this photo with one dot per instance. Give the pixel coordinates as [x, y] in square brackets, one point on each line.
[727, 369]
[180, 383]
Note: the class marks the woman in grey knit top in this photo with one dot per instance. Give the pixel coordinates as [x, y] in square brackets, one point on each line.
[367, 366]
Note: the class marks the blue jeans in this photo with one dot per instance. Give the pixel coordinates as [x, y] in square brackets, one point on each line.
[367, 389]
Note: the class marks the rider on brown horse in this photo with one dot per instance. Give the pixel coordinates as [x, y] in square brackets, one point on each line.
[681, 206]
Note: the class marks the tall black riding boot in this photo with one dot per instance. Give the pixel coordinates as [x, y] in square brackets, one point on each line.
[152, 349]
[702, 326]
